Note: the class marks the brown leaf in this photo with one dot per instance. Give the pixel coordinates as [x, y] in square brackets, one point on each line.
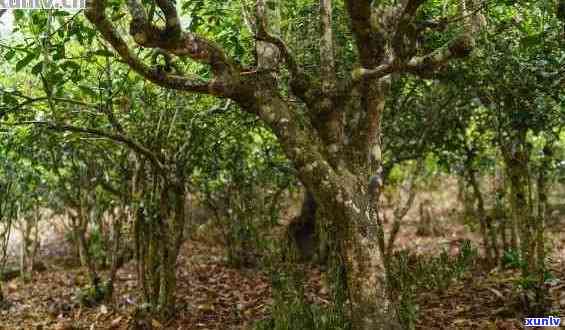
[496, 293]
[115, 323]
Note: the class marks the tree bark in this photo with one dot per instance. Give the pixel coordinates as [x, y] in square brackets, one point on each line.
[517, 159]
[485, 223]
[542, 209]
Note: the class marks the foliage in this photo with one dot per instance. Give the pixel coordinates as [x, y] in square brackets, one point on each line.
[410, 273]
[87, 132]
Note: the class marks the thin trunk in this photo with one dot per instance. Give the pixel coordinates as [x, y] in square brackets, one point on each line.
[23, 250]
[484, 222]
[36, 239]
[500, 216]
[512, 219]
[115, 250]
[165, 297]
[81, 231]
[175, 232]
[542, 209]
[401, 211]
[518, 173]
[159, 232]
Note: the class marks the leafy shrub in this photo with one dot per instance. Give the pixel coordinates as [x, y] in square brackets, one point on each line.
[91, 296]
[407, 272]
[291, 309]
[512, 259]
[96, 246]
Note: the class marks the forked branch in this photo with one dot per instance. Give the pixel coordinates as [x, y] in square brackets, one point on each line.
[180, 44]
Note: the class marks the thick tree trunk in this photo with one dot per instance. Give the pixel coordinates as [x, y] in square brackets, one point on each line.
[357, 241]
[341, 190]
[338, 175]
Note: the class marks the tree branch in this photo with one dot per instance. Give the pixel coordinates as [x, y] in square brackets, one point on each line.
[360, 74]
[327, 60]
[175, 41]
[130, 143]
[426, 65]
[31, 100]
[172, 20]
[404, 39]
[95, 12]
[423, 66]
[370, 43]
[301, 84]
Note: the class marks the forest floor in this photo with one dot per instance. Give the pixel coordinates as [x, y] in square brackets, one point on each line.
[212, 295]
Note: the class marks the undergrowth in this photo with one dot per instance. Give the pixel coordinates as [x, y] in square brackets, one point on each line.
[409, 273]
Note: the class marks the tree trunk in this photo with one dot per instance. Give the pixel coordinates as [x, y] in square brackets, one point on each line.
[425, 225]
[86, 258]
[159, 232]
[302, 230]
[359, 246]
[174, 235]
[517, 159]
[115, 257]
[342, 189]
[499, 215]
[542, 210]
[485, 222]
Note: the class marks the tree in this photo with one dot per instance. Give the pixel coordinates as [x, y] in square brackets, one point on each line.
[332, 134]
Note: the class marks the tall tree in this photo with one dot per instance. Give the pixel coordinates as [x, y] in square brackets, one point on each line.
[333, 133]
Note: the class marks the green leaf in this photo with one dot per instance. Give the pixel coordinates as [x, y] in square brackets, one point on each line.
[37, 68]
[18, 14]
[7, 98]
[88, 90]
[59, 52]
[70, 65]
[56, 78]
[25, 61]
[9, 54]
[117, 16]
[271, 5]
[103, 52]
[61, 13]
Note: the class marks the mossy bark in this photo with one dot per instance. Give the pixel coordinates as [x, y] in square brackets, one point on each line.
[341, 189]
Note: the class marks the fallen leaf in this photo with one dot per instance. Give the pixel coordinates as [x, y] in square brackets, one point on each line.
[156, 324]
[115, 323]
[496, 293]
